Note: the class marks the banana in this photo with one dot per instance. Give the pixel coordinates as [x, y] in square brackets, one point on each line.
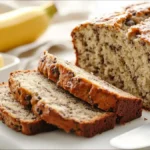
[24, 25]
[1, 61]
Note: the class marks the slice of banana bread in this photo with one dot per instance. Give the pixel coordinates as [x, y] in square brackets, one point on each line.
[17, 117]
[90, 88]
[56, 106]
[117, 48]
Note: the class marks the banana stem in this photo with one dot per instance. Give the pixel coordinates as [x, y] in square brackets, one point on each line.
[50, 9]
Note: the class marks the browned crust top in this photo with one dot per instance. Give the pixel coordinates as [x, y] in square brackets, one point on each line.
[106, 87]
[138, 8]
[85, 89]
[141, 31]
[134, 12]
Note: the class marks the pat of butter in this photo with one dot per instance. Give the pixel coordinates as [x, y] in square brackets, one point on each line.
[1, 61]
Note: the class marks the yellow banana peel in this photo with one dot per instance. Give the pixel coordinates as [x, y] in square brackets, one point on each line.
[24, 25]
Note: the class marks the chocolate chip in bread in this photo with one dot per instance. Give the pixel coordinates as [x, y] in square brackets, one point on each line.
[91, 88]
[56, 106]
[18, 117]
[117, 49]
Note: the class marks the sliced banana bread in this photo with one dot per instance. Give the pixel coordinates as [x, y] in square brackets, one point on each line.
[17, 117]
[56, 106]
[90, 88]
[117, 48]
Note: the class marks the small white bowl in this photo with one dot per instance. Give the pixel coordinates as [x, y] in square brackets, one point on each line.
[11, 63]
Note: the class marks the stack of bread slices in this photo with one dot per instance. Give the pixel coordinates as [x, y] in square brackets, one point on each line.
[61, 95]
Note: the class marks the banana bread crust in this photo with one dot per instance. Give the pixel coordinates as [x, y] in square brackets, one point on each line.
[86, 129]
[127, 108]
[40, 108]
[28, 127]
[133, 13]
[132, 16]
[132, 26]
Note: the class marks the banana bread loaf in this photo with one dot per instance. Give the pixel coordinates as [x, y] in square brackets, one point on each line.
[117, 48]
[17, 117]
[56, 106]
[90, 88]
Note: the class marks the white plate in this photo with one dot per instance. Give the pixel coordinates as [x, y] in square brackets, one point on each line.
[11, 63]
[61, 140]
